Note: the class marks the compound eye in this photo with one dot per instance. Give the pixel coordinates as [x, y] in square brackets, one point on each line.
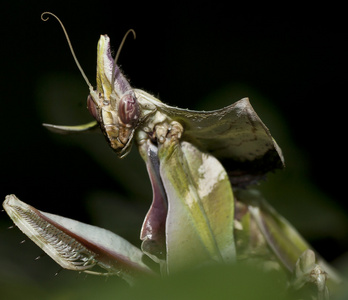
[92, 108]
[128, 109]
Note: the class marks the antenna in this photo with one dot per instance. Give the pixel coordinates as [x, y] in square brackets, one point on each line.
[70, 46]
[123, 40]
[119, 51]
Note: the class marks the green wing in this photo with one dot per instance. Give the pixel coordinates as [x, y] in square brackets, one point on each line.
[234, 134]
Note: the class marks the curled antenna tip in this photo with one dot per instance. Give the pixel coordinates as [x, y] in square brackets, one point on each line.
[47, 13]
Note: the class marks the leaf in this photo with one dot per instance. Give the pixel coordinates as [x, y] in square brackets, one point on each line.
[75, 245]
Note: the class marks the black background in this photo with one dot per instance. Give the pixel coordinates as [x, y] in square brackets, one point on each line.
[293, 58]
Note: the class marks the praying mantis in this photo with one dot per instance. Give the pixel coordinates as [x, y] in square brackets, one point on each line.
[200, 166]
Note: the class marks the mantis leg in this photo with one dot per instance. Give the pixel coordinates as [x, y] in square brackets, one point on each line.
[293, 252]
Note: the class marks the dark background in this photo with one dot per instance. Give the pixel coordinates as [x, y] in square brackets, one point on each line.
[290, 61]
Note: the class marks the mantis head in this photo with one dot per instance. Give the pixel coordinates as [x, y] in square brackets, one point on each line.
[113, 103]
